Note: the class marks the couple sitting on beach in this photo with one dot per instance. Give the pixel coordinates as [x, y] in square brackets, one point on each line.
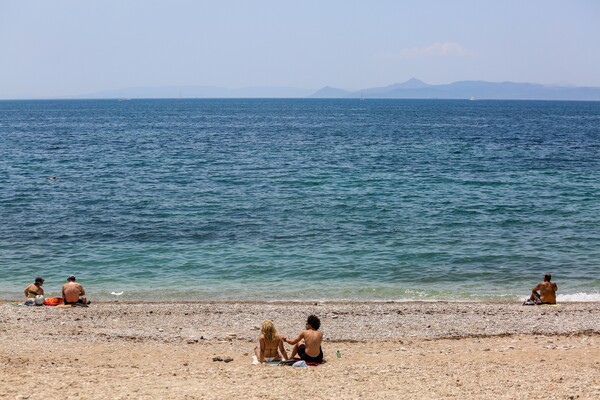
[72, 291]
[271, 343]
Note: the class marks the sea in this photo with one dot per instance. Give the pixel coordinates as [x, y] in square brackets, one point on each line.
[300, 199]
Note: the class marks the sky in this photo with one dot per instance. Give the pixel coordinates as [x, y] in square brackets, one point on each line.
[64, 48]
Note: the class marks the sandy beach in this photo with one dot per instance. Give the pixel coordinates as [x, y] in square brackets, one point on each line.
[411, 350]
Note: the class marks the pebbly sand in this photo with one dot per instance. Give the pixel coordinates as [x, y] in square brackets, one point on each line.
[406, 350]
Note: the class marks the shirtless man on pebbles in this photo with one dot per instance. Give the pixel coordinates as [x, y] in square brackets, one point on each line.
[310, 350]
[73, 292]
[544, 292]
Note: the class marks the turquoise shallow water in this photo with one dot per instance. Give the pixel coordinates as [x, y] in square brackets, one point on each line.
[301, 199]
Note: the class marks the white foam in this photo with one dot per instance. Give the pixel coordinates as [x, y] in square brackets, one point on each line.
[578, 297]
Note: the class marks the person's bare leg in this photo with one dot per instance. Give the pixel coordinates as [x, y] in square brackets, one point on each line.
[534, 296]
[294, 351]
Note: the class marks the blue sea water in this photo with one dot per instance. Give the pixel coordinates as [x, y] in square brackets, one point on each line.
[301, 199]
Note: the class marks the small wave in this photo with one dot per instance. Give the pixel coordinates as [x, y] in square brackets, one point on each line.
[577, 297]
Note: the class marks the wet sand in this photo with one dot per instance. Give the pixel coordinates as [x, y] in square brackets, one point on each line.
[413, 350]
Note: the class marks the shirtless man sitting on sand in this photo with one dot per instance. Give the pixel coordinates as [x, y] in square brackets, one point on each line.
[72, 292]
[544, 292]
[310, 350]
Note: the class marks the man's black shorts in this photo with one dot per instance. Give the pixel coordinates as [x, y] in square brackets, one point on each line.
[306, 357]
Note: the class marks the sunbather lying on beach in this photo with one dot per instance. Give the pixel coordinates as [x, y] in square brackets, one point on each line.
[310, 350]
[270, 344]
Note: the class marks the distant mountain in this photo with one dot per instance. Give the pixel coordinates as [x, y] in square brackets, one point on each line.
[328, 92]
[416, 89]
[383, 91]
[411, 89]
[165, 92]
[412, 83]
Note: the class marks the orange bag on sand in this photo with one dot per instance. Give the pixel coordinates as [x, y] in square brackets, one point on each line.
[53, 301]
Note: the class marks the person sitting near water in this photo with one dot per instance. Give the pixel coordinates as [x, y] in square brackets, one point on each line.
[73, 292]
[544, 292]
[271, 344]
[310, 350]
[34, 289]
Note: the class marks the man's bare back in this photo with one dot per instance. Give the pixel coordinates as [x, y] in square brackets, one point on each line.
[545, 290]
[310, 350]
[312, 340]
[72, 291]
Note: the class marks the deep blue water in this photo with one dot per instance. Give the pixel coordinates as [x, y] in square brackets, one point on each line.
[301, 199]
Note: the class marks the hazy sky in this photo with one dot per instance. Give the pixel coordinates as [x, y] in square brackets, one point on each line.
[62, 48]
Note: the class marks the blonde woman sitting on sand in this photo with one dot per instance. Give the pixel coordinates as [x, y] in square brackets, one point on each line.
[270, 344]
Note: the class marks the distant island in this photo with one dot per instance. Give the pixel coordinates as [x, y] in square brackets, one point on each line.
[411, 89]
[474, 90]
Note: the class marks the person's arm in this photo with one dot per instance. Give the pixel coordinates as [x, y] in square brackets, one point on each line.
[282, 349]
[299, 338]
[63, 292]
[537, 287]
[26, 291]
[81, 291]
[262, 350]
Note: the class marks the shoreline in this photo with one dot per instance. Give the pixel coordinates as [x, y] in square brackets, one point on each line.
[590, 294]
[15, 301]
[389, 350]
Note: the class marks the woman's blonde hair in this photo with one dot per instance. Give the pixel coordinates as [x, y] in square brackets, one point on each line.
[268, 330]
